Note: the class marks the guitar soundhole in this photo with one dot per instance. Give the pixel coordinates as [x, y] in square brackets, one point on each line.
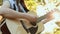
[34, 24]
[33, 30]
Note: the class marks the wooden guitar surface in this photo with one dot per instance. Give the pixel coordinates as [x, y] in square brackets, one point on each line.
[16, 27]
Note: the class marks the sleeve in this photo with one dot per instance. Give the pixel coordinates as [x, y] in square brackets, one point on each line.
[6, 3]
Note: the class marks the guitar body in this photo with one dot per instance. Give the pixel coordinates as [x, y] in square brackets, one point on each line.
[15, 27]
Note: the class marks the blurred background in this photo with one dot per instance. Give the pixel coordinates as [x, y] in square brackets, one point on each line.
[41, 7]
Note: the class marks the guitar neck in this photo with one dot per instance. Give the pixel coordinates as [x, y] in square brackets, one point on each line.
[41, 18]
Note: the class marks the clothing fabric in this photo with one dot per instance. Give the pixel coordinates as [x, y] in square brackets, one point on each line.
[14, 6]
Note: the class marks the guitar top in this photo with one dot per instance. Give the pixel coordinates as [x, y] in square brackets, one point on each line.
[15, 27]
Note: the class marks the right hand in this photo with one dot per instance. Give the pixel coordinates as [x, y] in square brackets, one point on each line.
[32, 18]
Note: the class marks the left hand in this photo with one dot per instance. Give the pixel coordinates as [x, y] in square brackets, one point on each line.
[50, 15]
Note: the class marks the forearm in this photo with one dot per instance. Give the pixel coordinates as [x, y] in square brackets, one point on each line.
[9, 13]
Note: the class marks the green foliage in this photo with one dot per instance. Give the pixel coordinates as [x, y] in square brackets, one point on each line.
[1, 1]
[39, 0]
[31, 4]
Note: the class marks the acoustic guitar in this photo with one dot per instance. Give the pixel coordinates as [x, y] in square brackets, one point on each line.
[16, 27]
